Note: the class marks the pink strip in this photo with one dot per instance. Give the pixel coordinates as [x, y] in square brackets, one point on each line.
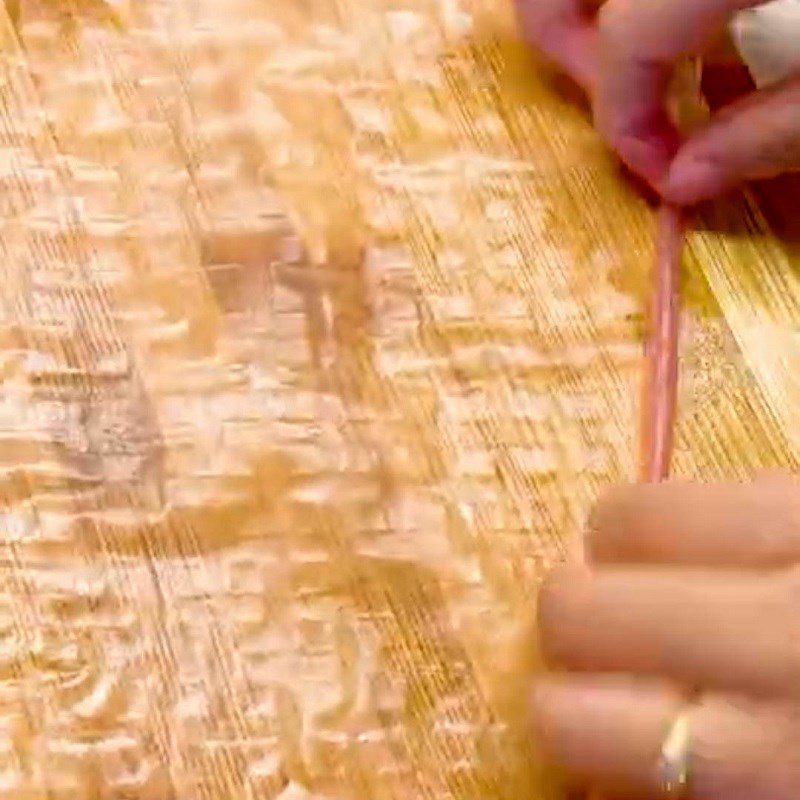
[660, 385]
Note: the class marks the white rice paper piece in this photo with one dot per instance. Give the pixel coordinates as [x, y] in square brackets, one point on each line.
[768, 39]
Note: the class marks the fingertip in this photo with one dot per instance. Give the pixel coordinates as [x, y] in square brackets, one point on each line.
[630, 115]
[612, 518]
[691, 180]
[551, 707]
[558, 618]
[647, 156]
[754, 138]
[543, 697]
[602, 729]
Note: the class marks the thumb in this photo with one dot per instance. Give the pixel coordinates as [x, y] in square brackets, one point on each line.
[754, 138]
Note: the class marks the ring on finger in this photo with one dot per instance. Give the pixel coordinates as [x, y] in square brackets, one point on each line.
[674, 757]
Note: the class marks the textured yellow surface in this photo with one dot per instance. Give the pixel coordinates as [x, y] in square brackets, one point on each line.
[320, 333]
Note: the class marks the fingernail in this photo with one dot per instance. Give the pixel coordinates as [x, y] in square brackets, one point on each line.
[690, 181]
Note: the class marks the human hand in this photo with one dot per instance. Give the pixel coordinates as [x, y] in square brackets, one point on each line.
[624, 55]
[687, 589]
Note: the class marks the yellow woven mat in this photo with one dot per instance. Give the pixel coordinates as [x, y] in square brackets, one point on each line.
[319, 336]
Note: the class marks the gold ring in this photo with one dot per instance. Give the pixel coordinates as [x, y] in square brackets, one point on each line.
[673, 762]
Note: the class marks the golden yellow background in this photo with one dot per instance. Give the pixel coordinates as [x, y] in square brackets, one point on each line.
[320, 333]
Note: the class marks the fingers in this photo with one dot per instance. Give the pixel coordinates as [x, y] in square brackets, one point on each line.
[637, 46]
[625, 62]
[607, 732]
[726, 631]
[564, 34]
[739, 525]
[757, 137]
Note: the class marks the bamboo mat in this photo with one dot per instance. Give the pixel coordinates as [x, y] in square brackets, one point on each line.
[320, 333]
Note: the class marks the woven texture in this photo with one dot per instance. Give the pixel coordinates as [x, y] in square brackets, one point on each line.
[320, 333]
